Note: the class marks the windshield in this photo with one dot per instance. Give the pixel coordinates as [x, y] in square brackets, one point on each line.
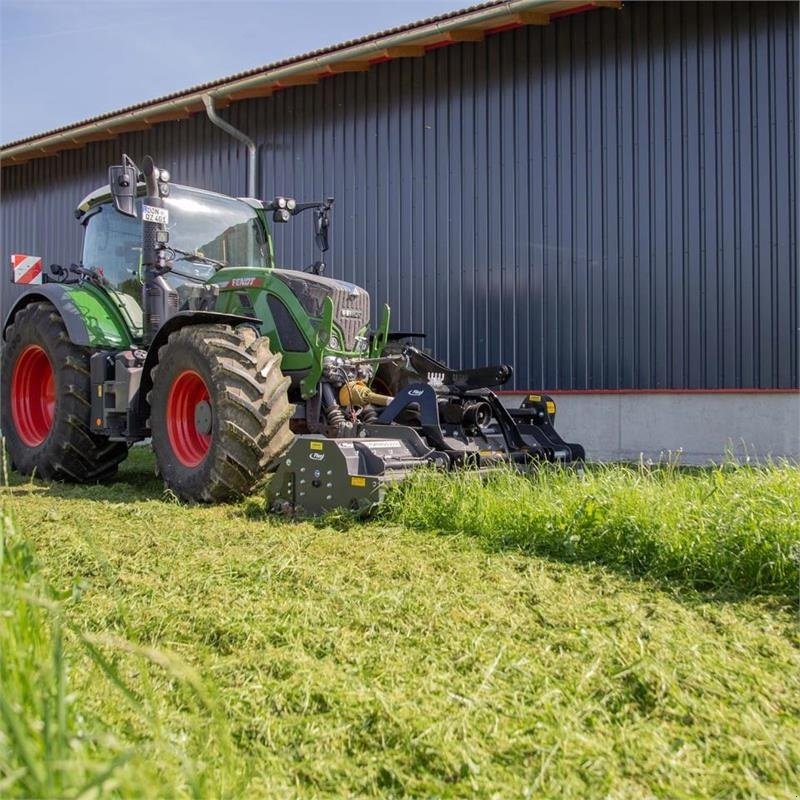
[201, 224]
[220, 228]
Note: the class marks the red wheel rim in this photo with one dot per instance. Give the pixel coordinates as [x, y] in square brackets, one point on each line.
[33, 395]
[188, 443]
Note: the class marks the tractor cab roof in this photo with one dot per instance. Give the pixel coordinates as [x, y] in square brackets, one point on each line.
[103, 195]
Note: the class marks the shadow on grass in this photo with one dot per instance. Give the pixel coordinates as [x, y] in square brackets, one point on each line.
[135, 481]
[681, 589]
[678, 588]
[730, 532]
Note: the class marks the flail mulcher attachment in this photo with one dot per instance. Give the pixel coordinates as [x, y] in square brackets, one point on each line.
[318, 474]
[451, 421]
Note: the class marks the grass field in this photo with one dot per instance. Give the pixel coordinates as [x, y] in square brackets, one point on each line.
[631, 635]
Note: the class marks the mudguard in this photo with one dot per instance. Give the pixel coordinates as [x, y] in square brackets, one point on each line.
[91, 317]
[181, 320]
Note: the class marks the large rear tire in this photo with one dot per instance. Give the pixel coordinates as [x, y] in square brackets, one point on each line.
[46, 409]
[219, 411]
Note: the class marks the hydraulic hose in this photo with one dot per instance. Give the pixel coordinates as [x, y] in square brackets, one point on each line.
[333, 411]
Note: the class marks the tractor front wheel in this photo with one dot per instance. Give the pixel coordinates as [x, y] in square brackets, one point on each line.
[219, 411]
[46, 410]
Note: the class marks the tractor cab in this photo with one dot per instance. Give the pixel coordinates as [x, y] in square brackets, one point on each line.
[207, 232]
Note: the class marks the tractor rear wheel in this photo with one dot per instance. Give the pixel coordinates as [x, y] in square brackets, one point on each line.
[219, 411]
[46, 407]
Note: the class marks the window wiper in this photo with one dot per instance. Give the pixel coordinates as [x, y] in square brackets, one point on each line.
[196, 256]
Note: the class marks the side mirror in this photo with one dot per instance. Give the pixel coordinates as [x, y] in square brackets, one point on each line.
[321, 224]
[122, 180]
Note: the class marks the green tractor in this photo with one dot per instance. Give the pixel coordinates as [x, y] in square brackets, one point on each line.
[178, 327]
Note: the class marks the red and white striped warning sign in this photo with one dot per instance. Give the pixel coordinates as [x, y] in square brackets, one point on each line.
[27, 269]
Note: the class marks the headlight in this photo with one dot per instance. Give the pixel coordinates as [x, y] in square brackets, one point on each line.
[281, 202]
[164, 175]
[291, 203]
[333, 343]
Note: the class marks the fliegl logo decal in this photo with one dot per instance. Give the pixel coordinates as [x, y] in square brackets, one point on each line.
[416, 392]
[316, 456]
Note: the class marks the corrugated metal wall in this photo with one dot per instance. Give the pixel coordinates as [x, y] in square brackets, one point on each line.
[606, 202]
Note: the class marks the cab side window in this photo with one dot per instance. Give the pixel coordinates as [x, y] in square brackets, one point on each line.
[113, 244]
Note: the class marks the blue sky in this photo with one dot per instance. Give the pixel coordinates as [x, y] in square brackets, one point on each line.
[62, 61]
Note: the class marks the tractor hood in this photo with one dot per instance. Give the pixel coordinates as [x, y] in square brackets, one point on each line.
[350, 302]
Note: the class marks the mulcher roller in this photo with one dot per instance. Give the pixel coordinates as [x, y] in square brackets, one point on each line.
[318, 474]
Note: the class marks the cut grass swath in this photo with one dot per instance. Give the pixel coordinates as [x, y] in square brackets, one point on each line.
[48, 746]
[728, 528]
[371, 660]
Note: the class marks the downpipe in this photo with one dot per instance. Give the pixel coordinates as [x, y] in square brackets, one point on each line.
[252, 151]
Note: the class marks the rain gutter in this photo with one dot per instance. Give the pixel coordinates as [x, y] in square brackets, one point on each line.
[194, 100]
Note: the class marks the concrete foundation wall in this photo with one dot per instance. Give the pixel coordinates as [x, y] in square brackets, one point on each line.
[705, 426]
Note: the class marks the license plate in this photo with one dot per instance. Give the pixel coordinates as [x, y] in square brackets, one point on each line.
[155, 214]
